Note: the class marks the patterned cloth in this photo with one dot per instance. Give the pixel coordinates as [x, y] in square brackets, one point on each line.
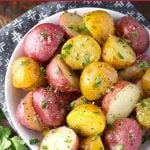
[11, 34]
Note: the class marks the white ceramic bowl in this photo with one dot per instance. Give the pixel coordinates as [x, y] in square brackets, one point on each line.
[14, 95]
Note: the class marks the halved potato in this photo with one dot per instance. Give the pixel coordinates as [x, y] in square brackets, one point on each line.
[80, 51]
[87, 120]
[92, 143]
[96, 79]
[100, 24]
[118, 53]
[73, 24]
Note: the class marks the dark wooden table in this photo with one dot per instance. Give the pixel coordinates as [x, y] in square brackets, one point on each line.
[11, 10]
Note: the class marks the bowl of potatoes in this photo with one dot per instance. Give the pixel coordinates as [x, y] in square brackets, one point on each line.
[80, 79]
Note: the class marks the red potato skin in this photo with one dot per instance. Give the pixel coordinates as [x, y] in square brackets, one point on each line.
[124, 28]
[143, 57]
[107, 98]
[55, 112]
[42, 42]
[120, 133]
[56, 78]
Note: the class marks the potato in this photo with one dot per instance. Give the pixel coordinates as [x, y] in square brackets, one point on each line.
[87, 120]
[118, 53]
[42, 42]
[96, 79]
[143, 112]
[27, 74]
[26, 114]
[129, 28]
[61, 77]
[124, 134]
[100, 24]
[80, 51]
[137, 70]
[61, 138]
[92, 143]
[72, 24]
[121, 101]
[81, 100]
[50, 107]
[146, 82]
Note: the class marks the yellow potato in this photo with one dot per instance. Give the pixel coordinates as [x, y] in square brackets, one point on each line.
[118, 53]
[92, 143]
[146, 82]
[27, 74]
[80, 51]
[96, 79]
[100, 24]
[87, 120]
[143, 112]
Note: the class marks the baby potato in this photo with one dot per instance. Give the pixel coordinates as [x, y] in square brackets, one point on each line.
[92, 143]
[87, 120]
[96, 79]
[100, 24]
[143, 112]
[118, 53]
[72, 24]
[80, 51]
[27, 74]
[146, 82]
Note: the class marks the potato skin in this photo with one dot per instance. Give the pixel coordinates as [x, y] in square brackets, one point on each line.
[146, 82]
[25, 114]
[26, 74]
[128, 27]
[100, 24]
[50, 107]
[91, 143]
[41, 43]
[143, 112]
[125, 134]
[57, 79]
[87, 120]
[96, 79]
[118, 53]
[80, 51]
[123, 92]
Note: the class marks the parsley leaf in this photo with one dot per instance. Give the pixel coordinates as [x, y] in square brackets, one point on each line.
[97, 82]
[43, 105]
[143, 65]
[86, 60]
[44, 147]
[34, 141]
[119, 147]
[134, 34]
[120, 55]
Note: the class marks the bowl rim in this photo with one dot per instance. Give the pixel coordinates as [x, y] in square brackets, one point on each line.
[12, 58]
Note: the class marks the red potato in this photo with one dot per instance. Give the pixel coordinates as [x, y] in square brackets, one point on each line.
[125, 134]
[26, 115]
[50, 107]
[120, 102]
[129, 28]
[41, 43]
[61, 77]
[62, 138]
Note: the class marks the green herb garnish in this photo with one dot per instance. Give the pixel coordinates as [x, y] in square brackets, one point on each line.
[44, 147]
[110, 126]
[86, 60]
[60, 56]
[135, 34]
[119, 147]
[130, 136]
[120, 56]
[97, 82]
[143, 65]
[34, 141]
[143, 104]
[43, 105]
[42, 71]
[68, 140]
[43, 34]
[72, 104]
[83, 100]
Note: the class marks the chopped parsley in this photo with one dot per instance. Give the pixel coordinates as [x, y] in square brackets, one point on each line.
[97, 82]
[43, 105]
[68, 140]
[60, 56]
[42, 71]
[72, 104]
[110, 126]
[66, 47]
[120, 56]
[34, 141]
[143, 104]
[44, 147]
[83, 100]
[86, 60]
[43, 34]
[101, 148]
[120, 147]
[130, 136]
[134, 34]
[143, 65]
